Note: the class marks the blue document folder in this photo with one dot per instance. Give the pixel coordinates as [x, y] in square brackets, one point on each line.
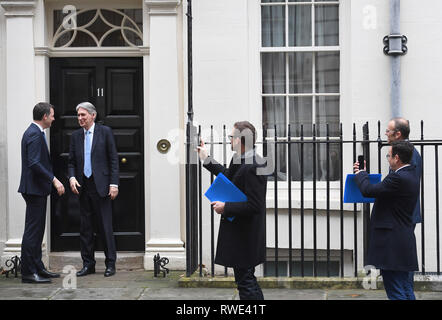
[352, 194]
[222, 189]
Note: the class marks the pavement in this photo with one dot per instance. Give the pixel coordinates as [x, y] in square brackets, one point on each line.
[142, 285]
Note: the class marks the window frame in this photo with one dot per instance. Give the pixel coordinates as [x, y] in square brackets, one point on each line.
[49, 51]
[308, 185]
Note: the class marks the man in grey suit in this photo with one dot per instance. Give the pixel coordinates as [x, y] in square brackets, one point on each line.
[94, 176]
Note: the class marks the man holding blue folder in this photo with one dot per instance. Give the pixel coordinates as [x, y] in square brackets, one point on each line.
[392, 246]
[241, 237]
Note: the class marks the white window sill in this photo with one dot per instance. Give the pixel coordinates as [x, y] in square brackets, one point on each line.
[321, 199]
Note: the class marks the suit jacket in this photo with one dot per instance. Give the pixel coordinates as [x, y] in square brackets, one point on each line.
[241, 242]
[36, 169]
[392, 244]
[416, 161]
[104, 158]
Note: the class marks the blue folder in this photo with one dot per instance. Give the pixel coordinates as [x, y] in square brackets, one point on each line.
[352, 194]
[222, 189]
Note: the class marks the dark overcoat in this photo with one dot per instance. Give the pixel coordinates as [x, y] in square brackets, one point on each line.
[241, 242]
[392, 243]
[416, 161]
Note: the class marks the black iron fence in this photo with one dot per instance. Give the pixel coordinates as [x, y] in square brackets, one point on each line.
[318, 157]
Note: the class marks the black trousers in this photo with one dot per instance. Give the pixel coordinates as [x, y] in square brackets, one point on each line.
[95, 215]
[35, 222]
[247, 284]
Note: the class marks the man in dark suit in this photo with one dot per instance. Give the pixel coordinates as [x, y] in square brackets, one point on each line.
[398, 129]
[392, 247]
[93, 168]
[35, 186]
[241, 241]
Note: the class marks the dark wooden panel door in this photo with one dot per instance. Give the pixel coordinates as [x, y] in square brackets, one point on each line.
[115, 87]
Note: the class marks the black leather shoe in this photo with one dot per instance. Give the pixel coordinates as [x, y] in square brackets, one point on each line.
[85, 271]
[47, 274]
[110, 271]
[34, 278]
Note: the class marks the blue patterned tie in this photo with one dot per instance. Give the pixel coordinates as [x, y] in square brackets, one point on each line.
[87, 155]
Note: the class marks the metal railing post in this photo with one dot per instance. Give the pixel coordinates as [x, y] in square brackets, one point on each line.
[366, 206]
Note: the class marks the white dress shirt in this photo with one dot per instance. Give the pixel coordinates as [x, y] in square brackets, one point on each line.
[39, 126]
[407, 165]
[42, 130]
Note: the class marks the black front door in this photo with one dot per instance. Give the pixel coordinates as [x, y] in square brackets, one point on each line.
[115, 87]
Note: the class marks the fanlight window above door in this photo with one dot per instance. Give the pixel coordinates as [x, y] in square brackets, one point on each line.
[98, 28]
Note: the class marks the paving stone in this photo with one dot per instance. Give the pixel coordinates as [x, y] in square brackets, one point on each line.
[293, 294]
[13, 283]
[98, 280]
[428, 295]
[27, 293]
[356, 295]
[188, 294]
[98, 294]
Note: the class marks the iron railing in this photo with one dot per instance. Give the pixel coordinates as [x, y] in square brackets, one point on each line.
[307, 145]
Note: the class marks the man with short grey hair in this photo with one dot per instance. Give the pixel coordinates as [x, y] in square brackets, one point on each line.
[89, 107]
[94, 176]
[398, 129]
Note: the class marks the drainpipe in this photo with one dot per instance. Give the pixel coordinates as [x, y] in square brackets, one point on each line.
[191, 161]
[189, 125]
[189, 64]
[395, 47]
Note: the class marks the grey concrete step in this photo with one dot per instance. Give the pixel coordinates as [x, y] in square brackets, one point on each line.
[125, 260]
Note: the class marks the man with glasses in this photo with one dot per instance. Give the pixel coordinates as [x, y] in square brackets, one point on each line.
[241, 240]
[398, 129]
[392, 247]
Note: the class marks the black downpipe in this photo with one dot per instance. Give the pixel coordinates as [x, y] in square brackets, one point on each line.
[191, 258]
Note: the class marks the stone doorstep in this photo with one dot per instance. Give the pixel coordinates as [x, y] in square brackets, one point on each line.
[421, 283]
[125, 261]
